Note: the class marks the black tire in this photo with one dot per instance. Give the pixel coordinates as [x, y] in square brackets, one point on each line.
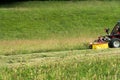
[114, 43]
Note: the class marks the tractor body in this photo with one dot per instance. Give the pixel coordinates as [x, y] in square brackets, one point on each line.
[111, 40]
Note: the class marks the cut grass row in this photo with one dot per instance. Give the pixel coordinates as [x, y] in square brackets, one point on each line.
[68, 65]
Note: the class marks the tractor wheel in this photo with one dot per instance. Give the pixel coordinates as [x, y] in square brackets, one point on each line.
[114, 43]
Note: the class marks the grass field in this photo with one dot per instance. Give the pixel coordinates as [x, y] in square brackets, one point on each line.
[49, 41]
[49, 20]
[54, 25]
[64, 65]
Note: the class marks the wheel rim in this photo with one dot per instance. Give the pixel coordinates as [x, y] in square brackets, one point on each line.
[116, 44]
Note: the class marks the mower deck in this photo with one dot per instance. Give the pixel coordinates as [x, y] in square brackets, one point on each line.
[99, 46]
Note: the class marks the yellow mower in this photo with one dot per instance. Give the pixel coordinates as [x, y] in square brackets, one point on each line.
[111, 40]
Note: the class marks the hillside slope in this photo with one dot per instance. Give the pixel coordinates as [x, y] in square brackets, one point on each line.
[46, 20]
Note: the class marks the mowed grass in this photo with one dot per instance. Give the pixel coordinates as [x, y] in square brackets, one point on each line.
[27, 27]
[64, 65]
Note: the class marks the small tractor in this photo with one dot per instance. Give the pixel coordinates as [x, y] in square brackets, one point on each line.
[111, 40]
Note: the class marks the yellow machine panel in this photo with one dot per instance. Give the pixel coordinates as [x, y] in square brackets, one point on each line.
[100, 46]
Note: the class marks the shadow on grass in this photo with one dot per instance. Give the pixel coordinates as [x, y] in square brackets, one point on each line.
[9, 3]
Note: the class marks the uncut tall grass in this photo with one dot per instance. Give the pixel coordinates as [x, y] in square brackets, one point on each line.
[46, 20]
[36, 26]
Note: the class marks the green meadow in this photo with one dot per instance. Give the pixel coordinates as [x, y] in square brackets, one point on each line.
[52, 26]
[49, 20]
[49, 40]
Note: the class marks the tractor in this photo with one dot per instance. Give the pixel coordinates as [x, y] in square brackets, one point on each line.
[111, 40]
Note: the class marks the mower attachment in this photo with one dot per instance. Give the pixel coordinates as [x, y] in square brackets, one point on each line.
[99, 45]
